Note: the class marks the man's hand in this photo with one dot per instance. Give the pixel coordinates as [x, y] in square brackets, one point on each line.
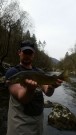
[57, 84]
[49, 89]
[30, 84]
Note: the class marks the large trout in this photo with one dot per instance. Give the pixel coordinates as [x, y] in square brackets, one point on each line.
[40, 77]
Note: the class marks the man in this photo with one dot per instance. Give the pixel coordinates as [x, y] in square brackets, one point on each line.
[25, 114]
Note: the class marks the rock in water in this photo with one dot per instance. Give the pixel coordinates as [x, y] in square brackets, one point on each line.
[62, 118]
[48, 104]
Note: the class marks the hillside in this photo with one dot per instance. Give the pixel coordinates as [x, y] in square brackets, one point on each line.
[55, 61]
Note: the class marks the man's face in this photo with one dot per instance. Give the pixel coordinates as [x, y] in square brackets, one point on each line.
[26, 57]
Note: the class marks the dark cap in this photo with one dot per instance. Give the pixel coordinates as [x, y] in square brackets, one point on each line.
[27, 45]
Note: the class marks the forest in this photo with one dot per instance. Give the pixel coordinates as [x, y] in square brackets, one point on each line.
[16, 26]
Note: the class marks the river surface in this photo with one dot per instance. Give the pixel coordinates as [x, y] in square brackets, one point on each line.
[65, 95]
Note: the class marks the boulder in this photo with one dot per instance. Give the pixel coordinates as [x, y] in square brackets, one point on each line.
[48, 104]
[62, 118]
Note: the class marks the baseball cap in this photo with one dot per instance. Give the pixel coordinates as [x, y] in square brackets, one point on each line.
[27, 45]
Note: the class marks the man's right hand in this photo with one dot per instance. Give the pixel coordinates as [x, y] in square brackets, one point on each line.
[30, 84]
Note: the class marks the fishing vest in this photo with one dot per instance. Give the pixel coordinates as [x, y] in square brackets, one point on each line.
[35, 106]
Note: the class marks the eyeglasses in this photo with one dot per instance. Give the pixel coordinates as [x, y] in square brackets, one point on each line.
[28, 52]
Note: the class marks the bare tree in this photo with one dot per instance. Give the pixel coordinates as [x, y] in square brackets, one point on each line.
[12, 18]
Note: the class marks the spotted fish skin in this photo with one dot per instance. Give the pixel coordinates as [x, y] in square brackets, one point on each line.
[40, 77]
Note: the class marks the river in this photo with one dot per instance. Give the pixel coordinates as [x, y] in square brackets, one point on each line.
[65, 94]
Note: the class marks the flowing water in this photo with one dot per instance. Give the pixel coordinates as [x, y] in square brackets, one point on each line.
[65, 94]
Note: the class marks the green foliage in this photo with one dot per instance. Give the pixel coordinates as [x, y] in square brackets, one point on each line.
[69, 61]
[43, 61]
